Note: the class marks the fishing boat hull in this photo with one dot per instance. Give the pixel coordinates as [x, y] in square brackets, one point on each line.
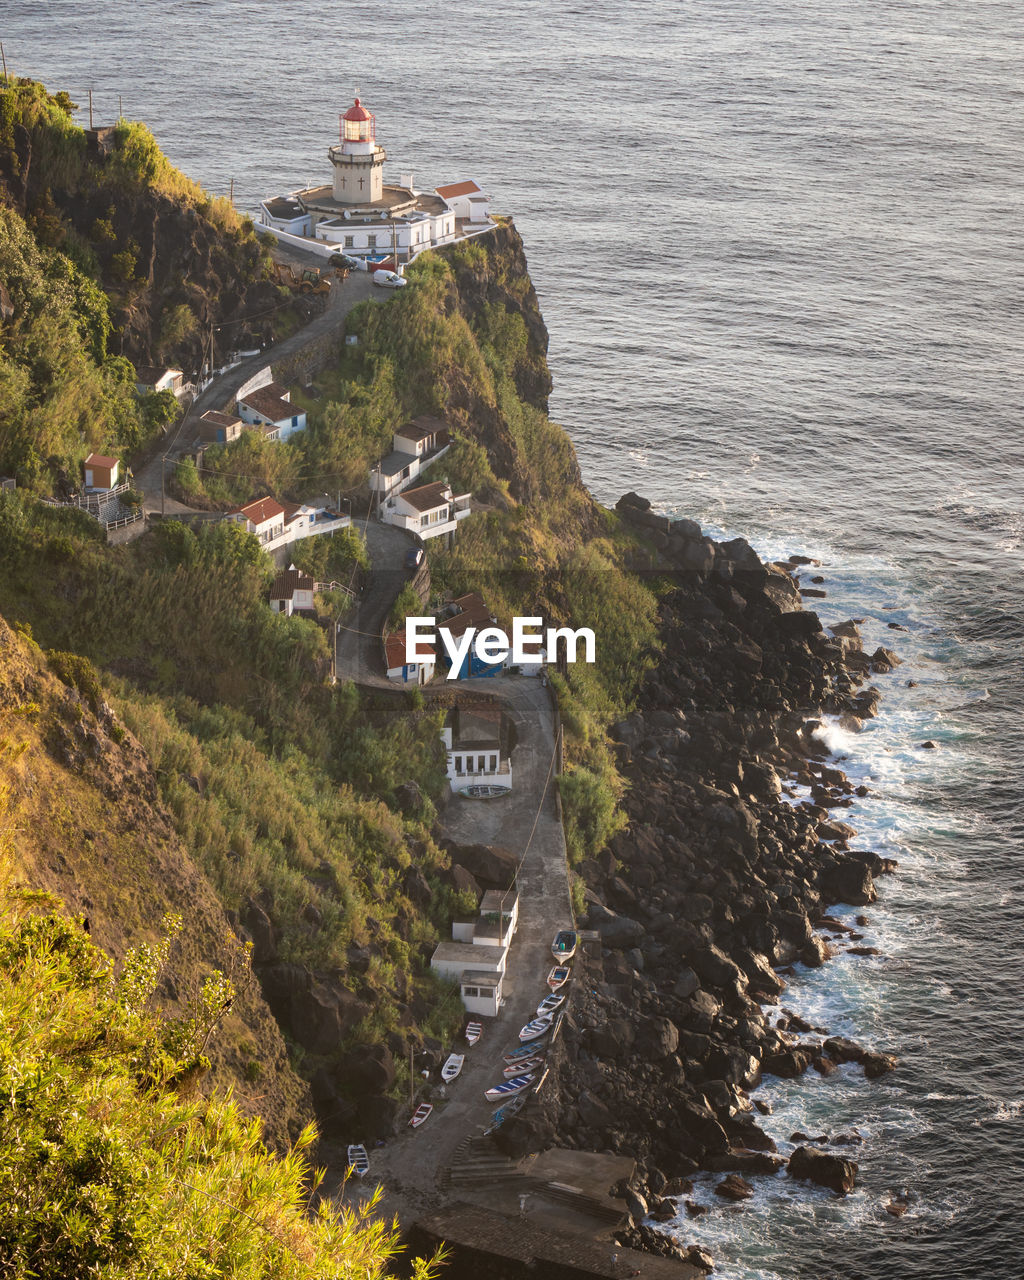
[483, 792]
[452, 1067]
[564, 946]
[537, 1028]
[422, 1113]
[525, 1051]
[473, 1032]
[358, 1160]
[524, 1065]
[559, 976]
[550, 1004]
[506, 1112]
[508, 1088]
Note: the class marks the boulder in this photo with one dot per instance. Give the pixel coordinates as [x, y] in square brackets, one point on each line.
[658, 1038]
[734, 1187]
[490, 864]
[811, 1164]
[620, 932]
[368, 1068]
[877, 1064]
[264, 940]
[715, 967]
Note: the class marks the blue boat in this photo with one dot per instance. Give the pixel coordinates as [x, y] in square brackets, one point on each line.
[506, 1112]
[525, 1051]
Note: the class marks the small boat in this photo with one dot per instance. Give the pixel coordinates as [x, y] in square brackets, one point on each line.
[358, 1160]
[452, 1067]
[473, 1032]
[538, 1027]
[564, 946]
[523, 1065]
[498, 1092]
[506, 1112]
[524, 1052]
[420, 1114]
[484, 791]
[549, 1004]
[559, 976]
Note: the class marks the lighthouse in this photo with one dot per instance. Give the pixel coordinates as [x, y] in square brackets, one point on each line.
[358, 161]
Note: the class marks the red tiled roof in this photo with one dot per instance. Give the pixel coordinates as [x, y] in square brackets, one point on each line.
[220, 419]
[259, 511]
[456, 189]
[98, 460]
[472, 613]
[394, 650]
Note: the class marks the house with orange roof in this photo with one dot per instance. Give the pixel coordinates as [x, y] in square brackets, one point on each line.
[399, 668]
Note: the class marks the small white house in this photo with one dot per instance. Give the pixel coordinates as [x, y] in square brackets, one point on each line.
[474, 742]
[284, 213]
[477, 955]
[466, 200]
[264, 518]
[398, 666]
[292, 592]
[157, 378]
[417, 445]
[270, 407]
[431, 511]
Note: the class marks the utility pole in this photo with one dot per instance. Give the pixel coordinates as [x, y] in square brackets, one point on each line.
[231, 197]
[90, 108]
[410, 1078]
[3, 58]
[120, 110]
[163, 486]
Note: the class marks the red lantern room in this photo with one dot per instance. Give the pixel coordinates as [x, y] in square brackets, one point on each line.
[357, 124]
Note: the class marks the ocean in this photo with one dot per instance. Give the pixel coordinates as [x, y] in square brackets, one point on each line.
[778, 251]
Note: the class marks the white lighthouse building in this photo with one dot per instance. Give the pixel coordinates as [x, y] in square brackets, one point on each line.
[361, 215]
[358, 160]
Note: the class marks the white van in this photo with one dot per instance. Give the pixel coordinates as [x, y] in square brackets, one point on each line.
[389, 279]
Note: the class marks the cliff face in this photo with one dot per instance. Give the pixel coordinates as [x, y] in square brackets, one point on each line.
[173, 261]
[90, 828]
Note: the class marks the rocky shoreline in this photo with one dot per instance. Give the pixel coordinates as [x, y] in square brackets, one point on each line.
[720, 882]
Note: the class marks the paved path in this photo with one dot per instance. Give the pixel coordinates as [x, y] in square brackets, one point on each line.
[221, 393]
[414, 1166]
[359, 655]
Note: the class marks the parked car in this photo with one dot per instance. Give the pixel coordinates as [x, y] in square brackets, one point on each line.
[389, 280]
[414, 557]
[343, 260]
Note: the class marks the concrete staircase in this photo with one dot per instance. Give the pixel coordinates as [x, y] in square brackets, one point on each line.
[609, 1211]
[476, 1162]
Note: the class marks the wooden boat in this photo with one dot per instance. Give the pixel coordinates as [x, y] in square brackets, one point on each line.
[485, 791]
[358, 1160]
[499, 1092]
[559, 976]
[420, 1114]
[549, 1004]
[506, 1112]
[525, 1051]
[538, 1027]
[564, 946]
[523, 1065]
[452, 1067]
[473, 1032]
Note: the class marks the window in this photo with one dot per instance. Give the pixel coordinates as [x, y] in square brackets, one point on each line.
[295, 421]
[494, 764]
[350, 242]
[481, 766]
[472, 992]
[458, 764]
[371, 240]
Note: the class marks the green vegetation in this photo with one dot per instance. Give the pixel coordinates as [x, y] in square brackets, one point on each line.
[111, 1163]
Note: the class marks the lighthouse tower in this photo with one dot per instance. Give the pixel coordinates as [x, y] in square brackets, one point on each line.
[358, 161]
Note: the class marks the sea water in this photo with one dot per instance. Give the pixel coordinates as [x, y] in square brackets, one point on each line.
[778, 250]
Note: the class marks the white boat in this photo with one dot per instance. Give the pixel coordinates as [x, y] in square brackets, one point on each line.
[549, 1004]
[484, 791]
[564, 946]
[523, 1065]
[507, 1088]
[536, 1028]
[358, 1160]
[452, 1067]
[420, 1114]
[473, 1032]
[559, 976]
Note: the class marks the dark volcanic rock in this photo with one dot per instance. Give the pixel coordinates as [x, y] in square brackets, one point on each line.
[811, 1164]
[734, 1188]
